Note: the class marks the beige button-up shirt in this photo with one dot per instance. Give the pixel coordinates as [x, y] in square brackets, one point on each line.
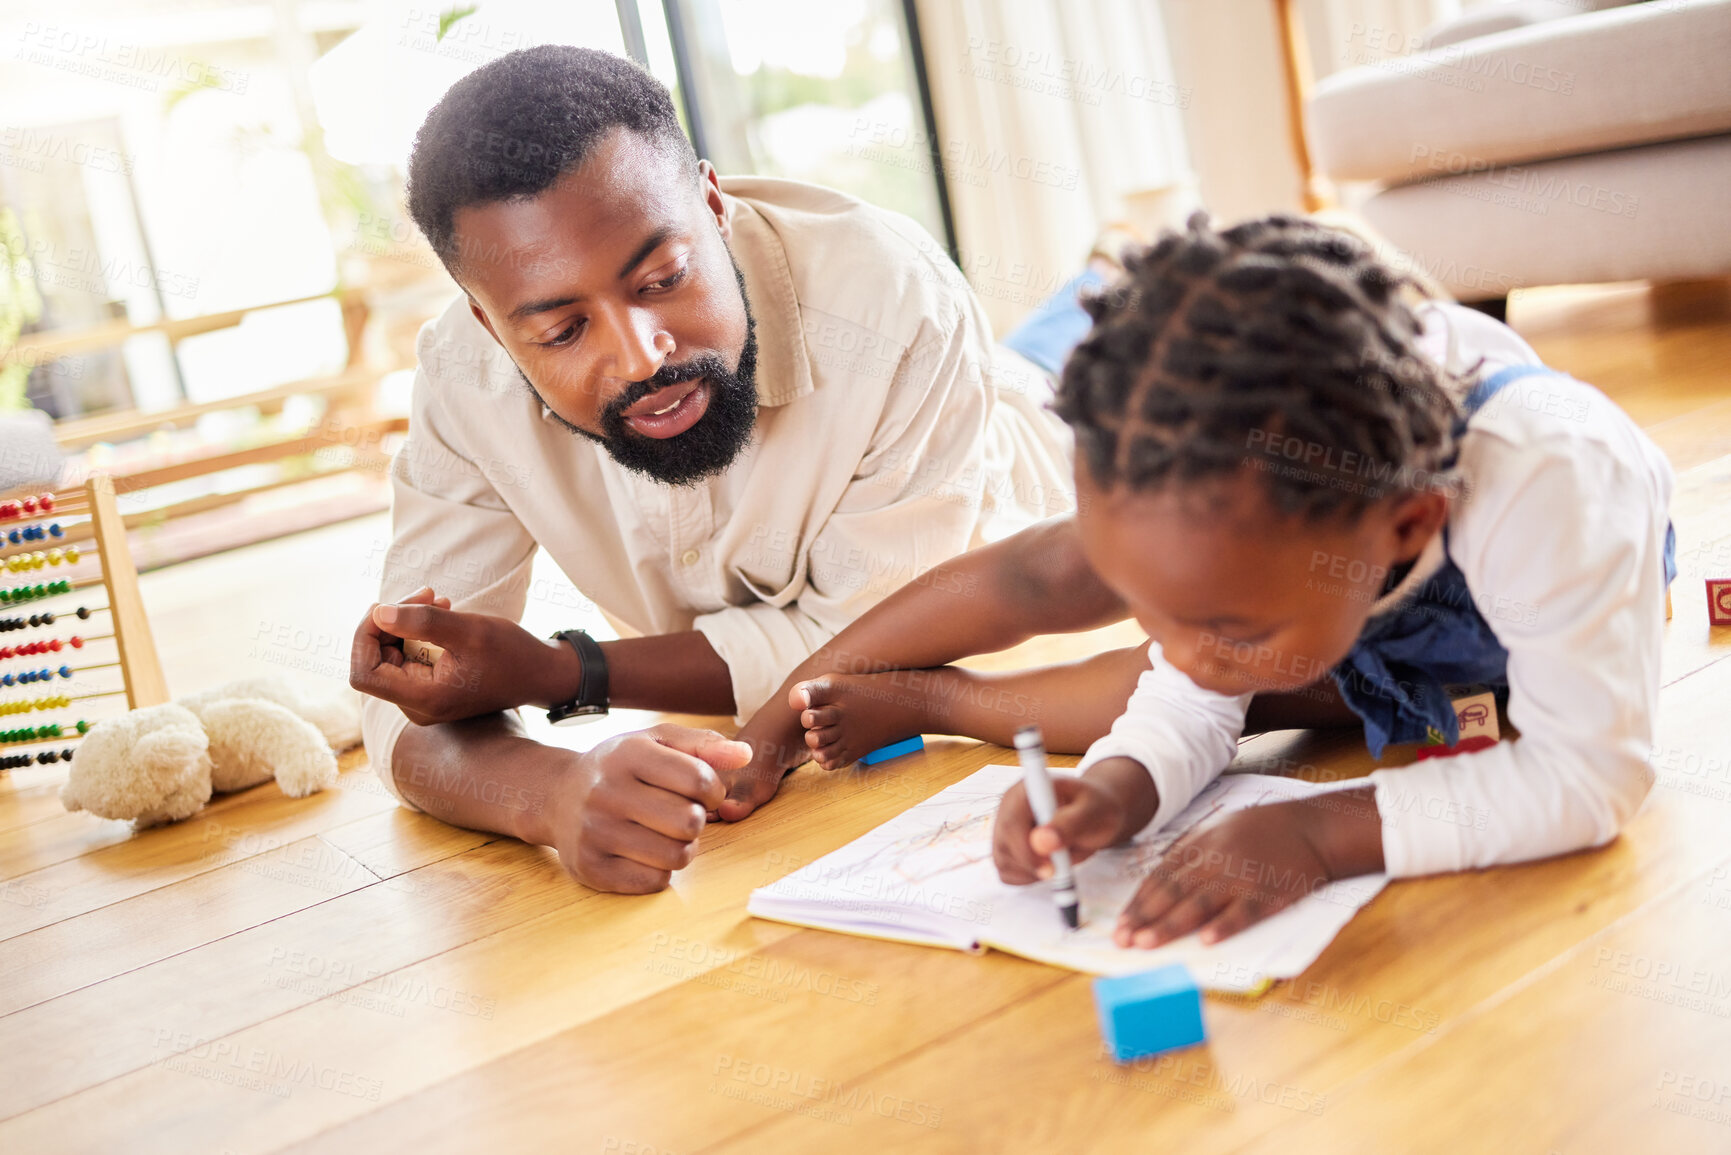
[892, 434]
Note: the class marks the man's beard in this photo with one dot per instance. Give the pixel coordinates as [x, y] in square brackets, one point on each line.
[709, 446]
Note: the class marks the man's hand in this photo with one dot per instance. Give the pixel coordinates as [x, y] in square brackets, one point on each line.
[489, 663]
[632, 813]
[1231, 875]
[1106, 805]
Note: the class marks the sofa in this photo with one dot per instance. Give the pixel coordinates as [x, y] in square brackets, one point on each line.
[1542, 142]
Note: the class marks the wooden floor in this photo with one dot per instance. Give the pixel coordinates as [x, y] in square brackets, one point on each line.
[337, 974]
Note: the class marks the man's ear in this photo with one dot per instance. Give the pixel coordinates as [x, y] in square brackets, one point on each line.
[711, 187]
[475, 311]
[1416, 519]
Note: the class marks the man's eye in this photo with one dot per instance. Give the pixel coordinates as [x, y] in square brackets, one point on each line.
[671, 280]
[564, 337]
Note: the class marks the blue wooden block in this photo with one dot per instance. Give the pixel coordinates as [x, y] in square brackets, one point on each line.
[893, 750]
[1147, 1013]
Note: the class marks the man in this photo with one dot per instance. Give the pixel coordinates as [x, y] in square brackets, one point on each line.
[737, 413]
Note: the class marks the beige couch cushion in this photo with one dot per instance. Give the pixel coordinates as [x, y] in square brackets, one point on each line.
[1656, 212]
[1510, 14]
[1626, 76]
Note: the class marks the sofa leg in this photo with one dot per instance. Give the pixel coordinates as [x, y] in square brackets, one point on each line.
[1497, 307]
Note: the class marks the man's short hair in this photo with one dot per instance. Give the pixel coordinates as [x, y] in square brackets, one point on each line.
[516, 125]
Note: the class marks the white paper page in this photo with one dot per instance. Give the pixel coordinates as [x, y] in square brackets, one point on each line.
[929, 872]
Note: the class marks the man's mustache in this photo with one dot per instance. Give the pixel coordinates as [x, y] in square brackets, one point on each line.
[701, 366]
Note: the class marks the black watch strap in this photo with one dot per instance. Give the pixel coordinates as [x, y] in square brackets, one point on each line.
[591, 699]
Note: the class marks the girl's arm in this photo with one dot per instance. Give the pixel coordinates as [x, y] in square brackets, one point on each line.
[986, 600]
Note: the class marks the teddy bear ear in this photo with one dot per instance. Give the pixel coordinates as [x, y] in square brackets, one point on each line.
[170, 770]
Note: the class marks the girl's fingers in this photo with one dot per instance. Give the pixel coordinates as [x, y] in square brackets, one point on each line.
[1237, 915]
[1162, 903]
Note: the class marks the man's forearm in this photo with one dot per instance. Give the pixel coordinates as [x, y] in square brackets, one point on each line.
[484, 773]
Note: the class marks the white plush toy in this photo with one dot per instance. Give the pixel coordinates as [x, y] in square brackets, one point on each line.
[161, 763]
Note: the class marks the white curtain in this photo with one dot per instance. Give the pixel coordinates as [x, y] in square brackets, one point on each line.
[1344, 33]
[1054, 117]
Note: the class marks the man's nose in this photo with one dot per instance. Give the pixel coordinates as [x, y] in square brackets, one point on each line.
[636, 345]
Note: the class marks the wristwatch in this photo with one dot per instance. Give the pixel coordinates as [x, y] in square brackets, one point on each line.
[591, 700]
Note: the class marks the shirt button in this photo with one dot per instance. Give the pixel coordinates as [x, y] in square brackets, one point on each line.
[689, 557]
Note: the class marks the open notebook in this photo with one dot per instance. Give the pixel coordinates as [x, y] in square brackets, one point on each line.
[926, 876]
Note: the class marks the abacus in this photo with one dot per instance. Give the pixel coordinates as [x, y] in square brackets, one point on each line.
[79, 532]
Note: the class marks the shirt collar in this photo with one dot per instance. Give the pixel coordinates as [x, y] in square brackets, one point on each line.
[783, 368]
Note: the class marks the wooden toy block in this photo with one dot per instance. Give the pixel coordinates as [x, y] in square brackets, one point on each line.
[1719, 601]
[1476, 716]
[425, 653]
[893, 750]
[1150, 1012]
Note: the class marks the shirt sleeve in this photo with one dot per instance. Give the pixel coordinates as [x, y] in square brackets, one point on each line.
[1183, 735]
[913, 502]
[451, 530]
[1563, 552]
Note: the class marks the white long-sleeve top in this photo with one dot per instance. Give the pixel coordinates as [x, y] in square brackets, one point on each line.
[1560, 538]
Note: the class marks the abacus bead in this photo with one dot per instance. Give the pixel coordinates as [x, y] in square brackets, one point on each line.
[47, 618]
[55, 645]
[47, 503]
[15, 537]
[77, 642]
[7, 680]
[83, 613]
[29, 504]
[65, 671]
[72, 554]
[83, 726]
[56, 530]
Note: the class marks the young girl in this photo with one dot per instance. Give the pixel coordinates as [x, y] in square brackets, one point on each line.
[1322, 503]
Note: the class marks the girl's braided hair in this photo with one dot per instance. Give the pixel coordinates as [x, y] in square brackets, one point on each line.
[1223, 350]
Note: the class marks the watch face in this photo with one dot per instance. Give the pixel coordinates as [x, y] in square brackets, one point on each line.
[580, 715]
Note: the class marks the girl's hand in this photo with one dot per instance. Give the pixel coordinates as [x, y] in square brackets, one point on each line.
[1103, 807]
[1242, 869]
